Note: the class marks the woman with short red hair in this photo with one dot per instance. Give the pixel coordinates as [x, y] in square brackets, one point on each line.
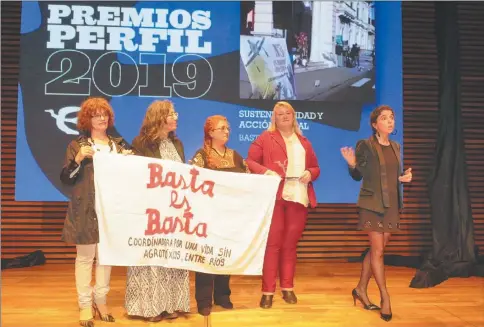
[217, 156]
[81, 226]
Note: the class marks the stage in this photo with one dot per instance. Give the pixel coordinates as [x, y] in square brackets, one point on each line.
[46, 296]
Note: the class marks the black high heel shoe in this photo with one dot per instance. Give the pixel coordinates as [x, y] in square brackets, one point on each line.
[104, 317]
[370, 306]
[384, 316]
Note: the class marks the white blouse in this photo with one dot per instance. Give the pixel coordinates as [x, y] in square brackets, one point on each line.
[294, 190]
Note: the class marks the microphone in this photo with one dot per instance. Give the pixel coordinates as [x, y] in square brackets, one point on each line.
[84, 142]
[124, 145]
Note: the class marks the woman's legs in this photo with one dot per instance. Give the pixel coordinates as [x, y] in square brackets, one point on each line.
[295, 222]
[366, 273]
[272, 255]
[377, 247]
[273, 249]
[102, 286]
[221, 291]
[203, 292]
[83, 272]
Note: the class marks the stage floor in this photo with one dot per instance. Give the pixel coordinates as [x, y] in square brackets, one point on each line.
[46, 296]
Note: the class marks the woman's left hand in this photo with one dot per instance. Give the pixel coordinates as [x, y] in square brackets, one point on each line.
[406, 177]
[305, 177]
[126, 152]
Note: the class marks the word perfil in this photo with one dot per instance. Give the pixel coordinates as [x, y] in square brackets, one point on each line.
[128, 28]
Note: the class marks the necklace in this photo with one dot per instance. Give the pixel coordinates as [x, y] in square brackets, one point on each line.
[110, 143]
[225, 151]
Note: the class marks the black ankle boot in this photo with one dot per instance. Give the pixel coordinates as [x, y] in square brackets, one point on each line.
[224, 303]
[205, 311]
[266, 301]
[289, 297]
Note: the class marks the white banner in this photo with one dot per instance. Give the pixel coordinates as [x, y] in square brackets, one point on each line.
[154, 212]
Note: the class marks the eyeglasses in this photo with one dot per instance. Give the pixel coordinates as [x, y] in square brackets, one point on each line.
[98, 116]
[173, 115]
[223, 129]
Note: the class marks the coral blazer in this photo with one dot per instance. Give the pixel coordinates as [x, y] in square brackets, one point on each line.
[268, 152]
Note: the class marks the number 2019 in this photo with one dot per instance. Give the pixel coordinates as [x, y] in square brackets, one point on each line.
[193, 75]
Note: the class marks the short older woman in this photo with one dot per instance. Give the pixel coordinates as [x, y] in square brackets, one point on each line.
[217, 156]
[81, 226]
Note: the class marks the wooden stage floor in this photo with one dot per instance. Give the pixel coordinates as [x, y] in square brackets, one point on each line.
[46, 296]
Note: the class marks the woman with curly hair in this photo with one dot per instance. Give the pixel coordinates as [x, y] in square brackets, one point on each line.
[155, 293]
[81, 226]
[215, 155]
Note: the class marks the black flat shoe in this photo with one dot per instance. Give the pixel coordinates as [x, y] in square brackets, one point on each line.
[370, 306]
[226, 304]
[266, 301]
[205, 311]
[289, 297]
[154, 319]
[170, 316]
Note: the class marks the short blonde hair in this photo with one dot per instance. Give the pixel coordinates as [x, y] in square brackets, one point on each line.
[287, 105]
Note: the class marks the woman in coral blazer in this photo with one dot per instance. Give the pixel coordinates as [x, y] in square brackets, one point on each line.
[283, 151]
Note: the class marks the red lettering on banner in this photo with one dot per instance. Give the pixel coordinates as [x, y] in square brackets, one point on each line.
[174, 200]
[157, 179]
[171, 225]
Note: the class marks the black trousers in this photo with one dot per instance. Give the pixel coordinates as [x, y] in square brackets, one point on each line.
[207, 285]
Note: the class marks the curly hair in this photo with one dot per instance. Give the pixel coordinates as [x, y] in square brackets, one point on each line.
[89, 108]
[210, 124]
[287, 105]
[155, 119]
[376, 113]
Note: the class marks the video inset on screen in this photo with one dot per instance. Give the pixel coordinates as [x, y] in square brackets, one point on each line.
[308, 50]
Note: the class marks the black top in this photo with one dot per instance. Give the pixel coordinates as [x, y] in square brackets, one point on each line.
[230, 161]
